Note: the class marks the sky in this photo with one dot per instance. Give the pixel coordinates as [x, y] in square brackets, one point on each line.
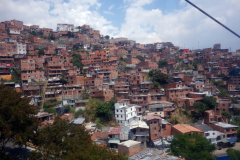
[145, 21]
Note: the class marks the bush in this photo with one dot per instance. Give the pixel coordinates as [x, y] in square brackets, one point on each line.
[50, 110]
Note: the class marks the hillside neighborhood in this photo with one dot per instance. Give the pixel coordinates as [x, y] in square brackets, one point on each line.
[132, 97]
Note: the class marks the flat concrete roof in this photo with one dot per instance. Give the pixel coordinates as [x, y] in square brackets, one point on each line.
[129, 143]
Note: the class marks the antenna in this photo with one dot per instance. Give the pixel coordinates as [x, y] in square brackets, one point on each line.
[212, 18]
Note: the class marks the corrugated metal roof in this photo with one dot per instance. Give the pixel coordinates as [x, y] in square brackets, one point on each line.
[78, 121]
[115, 130]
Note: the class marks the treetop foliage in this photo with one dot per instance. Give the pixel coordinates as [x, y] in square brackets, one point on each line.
[207, 103]
[162, 63]
[158, 76]
[17, 117]
[58, 141]
[96, 109]
[62, 140]
[191, 147]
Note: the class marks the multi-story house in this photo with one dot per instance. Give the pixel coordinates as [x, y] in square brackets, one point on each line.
[212, 135]
[125, 113]
[21, 47]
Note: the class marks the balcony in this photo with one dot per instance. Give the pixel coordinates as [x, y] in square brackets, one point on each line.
[142, 133]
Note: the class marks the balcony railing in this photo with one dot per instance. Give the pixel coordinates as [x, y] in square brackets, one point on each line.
[113, 138]
[142, 134]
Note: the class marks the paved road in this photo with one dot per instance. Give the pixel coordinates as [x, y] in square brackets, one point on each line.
[223, 151]
[18, 153]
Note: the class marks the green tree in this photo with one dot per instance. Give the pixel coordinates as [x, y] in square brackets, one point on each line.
[77, 61]
[159, 77]
[62, 140]
[195, 64]
[162, 63]
[51, 36]
[33, 33]
[50, 110]
[107, 36]
[234, 100]
[112, 102]
[200, 107]
[151, 73]
[233, 154]
[95, 47]
[79, 28]
[218, 83]
[121, 59]
[78, 113]
[41, 51]
[139, 57]
[70, 35]
[237, 118]
[238, 133]
[63, 80]
[227, 114]
[17, 117]
[191, 147]
[156, 85]
[223, 93]
[190, 66]
[90, 109]
[104, 112]
[97, 109]
[206, 104]
[236, 111]
[211, 102]
[85, 95]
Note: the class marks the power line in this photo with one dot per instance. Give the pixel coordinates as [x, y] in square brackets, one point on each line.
[212, 18]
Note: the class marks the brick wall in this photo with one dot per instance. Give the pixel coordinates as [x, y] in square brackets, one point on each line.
[129, 150]
[102, 135]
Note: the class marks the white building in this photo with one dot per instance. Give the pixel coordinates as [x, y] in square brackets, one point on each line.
[61, 46]
[13, 31]
[211, 134]
[65, 27]
[158, 45]
[68, 102]
[21, 48]
[125, 114]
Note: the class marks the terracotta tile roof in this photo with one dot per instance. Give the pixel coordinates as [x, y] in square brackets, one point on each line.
[184, 128]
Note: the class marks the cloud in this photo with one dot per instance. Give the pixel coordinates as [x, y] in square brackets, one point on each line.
[107, 12]
[47, 13]
[111, 7]
[184, 26]
[138, 3]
